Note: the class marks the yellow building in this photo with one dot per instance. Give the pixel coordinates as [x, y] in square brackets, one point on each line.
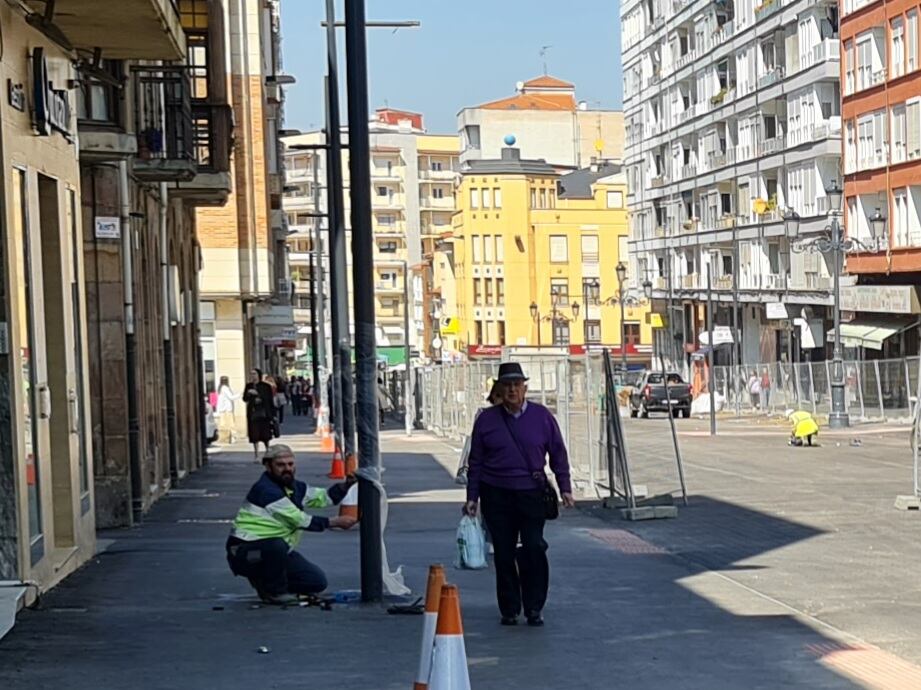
[535, 256]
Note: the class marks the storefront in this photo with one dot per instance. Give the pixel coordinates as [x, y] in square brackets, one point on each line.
[880, 321]
[46, 497]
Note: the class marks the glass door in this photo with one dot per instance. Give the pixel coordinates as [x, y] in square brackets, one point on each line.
[76, 396]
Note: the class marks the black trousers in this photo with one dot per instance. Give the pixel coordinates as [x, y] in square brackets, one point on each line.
[274, 569]
[522, 572]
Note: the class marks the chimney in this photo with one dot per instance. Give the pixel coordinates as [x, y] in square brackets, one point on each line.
[510, 153]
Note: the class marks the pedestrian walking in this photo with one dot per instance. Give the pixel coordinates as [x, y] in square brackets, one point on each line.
[754, 389]
[226, 417]
[294, 392]
[508, 453]
[765, 389]
[260, 411]
[281, 400]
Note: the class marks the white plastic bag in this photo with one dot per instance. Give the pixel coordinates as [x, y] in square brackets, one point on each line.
[471, 544]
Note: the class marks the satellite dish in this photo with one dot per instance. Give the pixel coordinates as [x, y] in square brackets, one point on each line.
[519, 86]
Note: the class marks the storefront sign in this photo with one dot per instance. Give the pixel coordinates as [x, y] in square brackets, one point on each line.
[888, 299]
[52, 107]
[776, 310]
[655, 319]
[722, 335]
[108, 228]
[16, 93]
[484, 350]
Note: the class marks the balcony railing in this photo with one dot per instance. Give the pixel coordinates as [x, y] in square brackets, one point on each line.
[163, 118]
[727, 222]
[772, 281]
[689, 170]
[766, 9]
[212, 129]
[772, 77]
[774, 145]
[723, 283]
[657, 181]
[690, 281]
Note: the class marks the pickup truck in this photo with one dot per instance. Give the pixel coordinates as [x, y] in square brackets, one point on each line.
[649, 395]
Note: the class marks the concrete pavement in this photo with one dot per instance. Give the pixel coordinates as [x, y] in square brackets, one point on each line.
[703, 601]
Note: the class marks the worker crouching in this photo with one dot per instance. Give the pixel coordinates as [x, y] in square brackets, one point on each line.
[805, 428]
[268, 527]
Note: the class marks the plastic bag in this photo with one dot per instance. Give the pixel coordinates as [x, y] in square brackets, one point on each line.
[471, 544]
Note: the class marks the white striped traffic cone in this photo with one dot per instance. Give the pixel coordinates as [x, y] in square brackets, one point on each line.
[449, 662]
[432, 600]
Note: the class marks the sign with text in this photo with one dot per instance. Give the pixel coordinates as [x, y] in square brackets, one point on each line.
[776, 310]
[722, 335]
[108, 228]
[888, 299]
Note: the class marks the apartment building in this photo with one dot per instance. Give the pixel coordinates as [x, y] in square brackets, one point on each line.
[548, 121]
[882, 174]
[245, 290]
[413, 175]
[732, 116]
[535, 255]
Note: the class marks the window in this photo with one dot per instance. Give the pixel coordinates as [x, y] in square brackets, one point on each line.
[382, 191]
[386, 220]
[99, 102]
[497, 200]
[488, 284]
[488, 246]
[615, 199]
[592, 332]
[913, 128]
[591, 291]
[632, 334]
[436, 166]
[912, 40]
[388, 247]
[487, 198]
[474, 198]
[899, 144]
[900, 217]
[478, 291]
[590, 249]
[500, 326]
[500, 291]
[559, 252]
[477, 250]
[774, 258]
[543, 197]
[551, 193]
[864, 61]
[533, 198]
[896, 48]
[559, 292]
[500, 249]
[872, 145]
[438, 193]
[478, 332]
[560, 332]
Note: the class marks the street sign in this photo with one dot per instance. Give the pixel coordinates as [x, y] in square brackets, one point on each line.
[655, 320]
[722, 335]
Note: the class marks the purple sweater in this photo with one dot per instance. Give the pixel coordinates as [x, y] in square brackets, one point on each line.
[496, 460]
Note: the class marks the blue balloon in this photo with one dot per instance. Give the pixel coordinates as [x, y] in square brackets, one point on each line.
[510, 139]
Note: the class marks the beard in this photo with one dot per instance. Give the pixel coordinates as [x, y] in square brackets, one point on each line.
[287, 479]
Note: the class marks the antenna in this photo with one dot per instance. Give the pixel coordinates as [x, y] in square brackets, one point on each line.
[543, 56]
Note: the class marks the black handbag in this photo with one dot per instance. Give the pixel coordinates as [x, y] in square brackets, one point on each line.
[550, 499]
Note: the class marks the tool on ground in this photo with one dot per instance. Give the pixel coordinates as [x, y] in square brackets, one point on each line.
[432, 601]
[449, 661]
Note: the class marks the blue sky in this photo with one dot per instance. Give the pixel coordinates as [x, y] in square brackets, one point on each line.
[465, 53]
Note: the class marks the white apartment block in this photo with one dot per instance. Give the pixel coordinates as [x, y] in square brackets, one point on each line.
[412, 185]
[732, 112]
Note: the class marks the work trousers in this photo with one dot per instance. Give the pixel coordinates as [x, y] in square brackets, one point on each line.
[272, 568]
[522, 572]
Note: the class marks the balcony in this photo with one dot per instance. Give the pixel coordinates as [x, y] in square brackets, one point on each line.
[212, 131]
[689, 170]
[388, 288]
[716, 159]
[660, 283]
[878, 77]
[726, 222]
[723, 283]
[690, 281]
[124, 30]
[766, 9]
[773, 281]
[689, 226]
[829, 128]
[163, 119]
[385, 203]
[772, 77]
[436, 204]
[657, 181]
[438, 175]
[774, 145]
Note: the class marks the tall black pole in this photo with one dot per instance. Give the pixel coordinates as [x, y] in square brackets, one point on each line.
[369, 460]
[710, 387]
[342, 342]
[314, 322]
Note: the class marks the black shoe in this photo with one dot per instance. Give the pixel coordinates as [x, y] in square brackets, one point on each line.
[509, 620]
[535, 620]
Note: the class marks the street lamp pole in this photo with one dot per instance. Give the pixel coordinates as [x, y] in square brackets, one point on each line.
[838, 417]
[621, 271]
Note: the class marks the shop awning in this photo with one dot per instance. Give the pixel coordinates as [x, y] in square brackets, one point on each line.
[392, 355]
[871, 332]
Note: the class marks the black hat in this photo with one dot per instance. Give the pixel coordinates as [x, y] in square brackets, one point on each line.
[511, 371]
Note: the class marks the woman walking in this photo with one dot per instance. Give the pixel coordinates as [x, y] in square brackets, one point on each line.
[508, 453]
[226, 417]
[260, 411]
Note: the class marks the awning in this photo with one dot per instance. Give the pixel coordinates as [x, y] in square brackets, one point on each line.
[871, 332]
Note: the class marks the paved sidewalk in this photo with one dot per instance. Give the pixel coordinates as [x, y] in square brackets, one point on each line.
[159, 609]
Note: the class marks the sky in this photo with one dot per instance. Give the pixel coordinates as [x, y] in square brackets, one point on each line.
[465, 53]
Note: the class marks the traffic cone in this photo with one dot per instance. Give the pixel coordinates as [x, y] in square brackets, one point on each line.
[432, 600]
[348, 507]
[327, 444]
[449, 661]
[337, 470]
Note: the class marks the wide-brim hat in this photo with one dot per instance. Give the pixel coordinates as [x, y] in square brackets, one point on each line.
[510, 371]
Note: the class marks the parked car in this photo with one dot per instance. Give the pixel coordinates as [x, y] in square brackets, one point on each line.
[649, 395]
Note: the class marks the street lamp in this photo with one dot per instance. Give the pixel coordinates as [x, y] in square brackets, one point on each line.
[575, 310]
[621, 271]
[535, 314]
[647, 289]
[833, 240]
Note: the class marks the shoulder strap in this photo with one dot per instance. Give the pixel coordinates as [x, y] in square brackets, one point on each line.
[524, 456]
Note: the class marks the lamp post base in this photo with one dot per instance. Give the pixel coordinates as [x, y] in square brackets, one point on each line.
[838, 420]
[838, 417]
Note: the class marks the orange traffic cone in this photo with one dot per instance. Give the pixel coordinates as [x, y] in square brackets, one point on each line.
[327, 444]
[348, 507]
[432, 600]
[449, 661]
[337, 470]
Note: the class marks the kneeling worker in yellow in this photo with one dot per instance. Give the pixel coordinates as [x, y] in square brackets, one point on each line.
[804, 429]
[268, 527]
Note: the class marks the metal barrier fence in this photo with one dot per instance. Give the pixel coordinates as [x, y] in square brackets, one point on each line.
[875, 390]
